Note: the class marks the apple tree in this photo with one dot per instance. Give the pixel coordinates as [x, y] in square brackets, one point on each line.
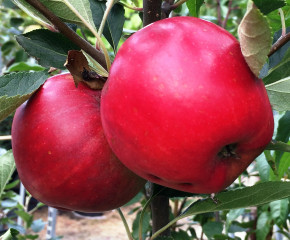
[191, 96]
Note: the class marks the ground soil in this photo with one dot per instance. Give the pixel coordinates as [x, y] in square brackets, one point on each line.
[71, 227]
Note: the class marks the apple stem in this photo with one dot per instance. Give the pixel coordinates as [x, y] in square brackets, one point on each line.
[109, 6]
[125, 224]
[282, 22]
[131, 7]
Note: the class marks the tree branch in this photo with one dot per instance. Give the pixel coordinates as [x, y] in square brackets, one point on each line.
[224, 22]
[160, 214]
[219, 14]
[65, 30]
[280, 43]
[151, 11]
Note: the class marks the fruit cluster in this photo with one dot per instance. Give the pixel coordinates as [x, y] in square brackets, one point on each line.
[180, 108]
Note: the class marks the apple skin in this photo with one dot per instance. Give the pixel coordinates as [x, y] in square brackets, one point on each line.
[61, 154]
[179, 92]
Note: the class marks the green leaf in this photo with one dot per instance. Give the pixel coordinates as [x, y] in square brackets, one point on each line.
[282, 70]
[263, 225]
[279, 211]
[232, 215]
[82, 6]
[258, 194]
[16, 88]
[279, 94]
[263, 168]
[114, 25]
[60, 9]
[194, 6]
[7, 167]
[212, 228]
[180, 235]
[255, 38]
[49, 48]
[29, 10]
[146, 216]
[267, 6]
[94, 65]
[25, 216]
[283, 131]
[7, 47]
[11, 234]
[284, 165]
[24, 66]
[12, 184]
[275, 19]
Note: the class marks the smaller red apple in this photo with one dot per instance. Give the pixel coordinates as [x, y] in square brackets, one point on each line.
[61, 154]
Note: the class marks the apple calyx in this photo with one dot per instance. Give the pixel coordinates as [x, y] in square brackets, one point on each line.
[229, 151]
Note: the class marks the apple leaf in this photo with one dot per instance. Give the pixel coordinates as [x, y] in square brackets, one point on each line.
[267, 6]
[16, 88]
[255, 38]
[114, 25]
[11, 234]
[263, 225]
[256, 195]
[274, 18]
[284, 164]
[194, 6]
[82, 7]
[283, 131]
[24, 66]
[279, 211]
[60, 9]
[49, 48]
[32, 12]
[282, 70]
[212, 228]
[279, 94]
[7, 167]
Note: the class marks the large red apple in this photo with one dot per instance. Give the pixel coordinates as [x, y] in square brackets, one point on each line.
[181, 107]
[61, 154]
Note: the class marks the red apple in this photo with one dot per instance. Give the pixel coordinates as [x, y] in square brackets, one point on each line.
[61, 154]
[181, 107]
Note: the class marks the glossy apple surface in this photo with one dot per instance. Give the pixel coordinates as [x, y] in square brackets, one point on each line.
[61, 154]
[181, 107]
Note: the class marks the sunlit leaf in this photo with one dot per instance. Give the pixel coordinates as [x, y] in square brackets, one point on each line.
[7, 167]
[16, 88]
[279, 94]
[194, 6]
